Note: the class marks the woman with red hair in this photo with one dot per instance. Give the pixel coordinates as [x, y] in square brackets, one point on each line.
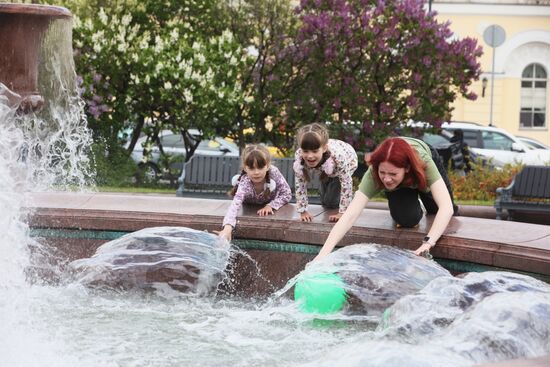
[406, 169]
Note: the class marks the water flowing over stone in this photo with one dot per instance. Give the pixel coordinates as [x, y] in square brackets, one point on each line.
[184, 259]
[376, 276]
[456, 321]
[486, 316]
[44, 143]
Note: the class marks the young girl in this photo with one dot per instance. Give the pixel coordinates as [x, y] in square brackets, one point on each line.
[334, 160]
[258, 183]
[406, 169]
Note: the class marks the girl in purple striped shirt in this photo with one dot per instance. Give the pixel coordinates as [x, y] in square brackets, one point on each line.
[258, 183]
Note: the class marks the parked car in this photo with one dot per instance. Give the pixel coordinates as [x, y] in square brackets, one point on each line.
[448, 151]
[532, 143]
[498, 145]
[174, 149]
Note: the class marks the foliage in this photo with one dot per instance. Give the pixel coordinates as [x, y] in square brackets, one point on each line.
[146, 67]
[115, 169]
[378, 64]
[481, 183]
[262, 66]
[265, 29]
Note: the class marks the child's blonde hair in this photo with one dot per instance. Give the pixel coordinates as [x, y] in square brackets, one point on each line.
[313, 137]
[254, 156]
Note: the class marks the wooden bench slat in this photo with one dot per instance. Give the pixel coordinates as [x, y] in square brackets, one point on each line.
[538, 183]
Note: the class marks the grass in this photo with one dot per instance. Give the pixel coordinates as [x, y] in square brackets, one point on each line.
[138, 190]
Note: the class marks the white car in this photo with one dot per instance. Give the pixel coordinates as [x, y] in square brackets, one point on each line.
[498, 145]
[174, 147]
[532, 143]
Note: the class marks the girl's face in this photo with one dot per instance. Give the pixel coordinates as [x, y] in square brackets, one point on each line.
[256, 175]
[314, 157]
[390, 175]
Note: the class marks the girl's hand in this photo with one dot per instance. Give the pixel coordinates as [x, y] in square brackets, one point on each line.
[226, 232]
[335, 217]
[424, 249]
[306, 217]
[266, 210]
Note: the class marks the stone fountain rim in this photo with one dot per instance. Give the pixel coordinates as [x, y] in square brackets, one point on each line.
[35, 9]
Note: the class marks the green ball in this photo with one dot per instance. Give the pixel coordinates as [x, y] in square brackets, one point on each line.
[320, 293]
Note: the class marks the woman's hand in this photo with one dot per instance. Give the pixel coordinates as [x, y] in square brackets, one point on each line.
[226, 232]
[422, 250]
[316, 258]
[265, 211]
[335, 217]
[306, 217]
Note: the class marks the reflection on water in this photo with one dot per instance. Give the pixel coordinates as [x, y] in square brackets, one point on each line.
[376, 276]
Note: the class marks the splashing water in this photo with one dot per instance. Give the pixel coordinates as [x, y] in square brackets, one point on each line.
[181, 258]
[38, 150]
[375, 276]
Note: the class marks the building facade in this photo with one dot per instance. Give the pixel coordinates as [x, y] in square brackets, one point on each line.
[519, 99]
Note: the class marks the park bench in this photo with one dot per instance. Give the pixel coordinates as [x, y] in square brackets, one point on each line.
[529, 191]
[210, 176]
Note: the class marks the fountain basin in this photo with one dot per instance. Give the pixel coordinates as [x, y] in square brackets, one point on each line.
[79, 222]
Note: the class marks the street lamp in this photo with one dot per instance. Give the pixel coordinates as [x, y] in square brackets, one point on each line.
[494, 36]
[484, 82]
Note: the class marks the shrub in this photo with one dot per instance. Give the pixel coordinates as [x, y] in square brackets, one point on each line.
[482, 182]
[115, 168]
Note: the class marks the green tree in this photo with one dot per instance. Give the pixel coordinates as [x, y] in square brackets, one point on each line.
[149, 66]
[267, 28]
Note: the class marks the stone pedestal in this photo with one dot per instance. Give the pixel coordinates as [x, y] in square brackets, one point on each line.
[22, 30]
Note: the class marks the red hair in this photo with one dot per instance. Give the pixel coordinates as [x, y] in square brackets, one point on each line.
[399, 153]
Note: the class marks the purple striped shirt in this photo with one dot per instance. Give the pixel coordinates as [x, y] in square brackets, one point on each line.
[246, 194]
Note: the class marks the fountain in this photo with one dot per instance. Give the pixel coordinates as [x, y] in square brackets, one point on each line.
[68, 323]
[22, 30]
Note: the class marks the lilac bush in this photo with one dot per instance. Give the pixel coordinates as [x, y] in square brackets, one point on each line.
[157, 66]
[373, 65]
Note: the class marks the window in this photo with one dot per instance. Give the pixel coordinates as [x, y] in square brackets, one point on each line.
[496, 141]
[209, 145]
[470, 138]
[434, 140]
[172, 141]
[533, 97]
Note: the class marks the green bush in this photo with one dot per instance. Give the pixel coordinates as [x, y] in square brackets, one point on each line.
[114, 167]
[482, 182]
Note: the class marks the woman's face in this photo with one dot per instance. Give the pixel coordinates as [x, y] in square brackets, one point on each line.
[390, 175]
[314, 157]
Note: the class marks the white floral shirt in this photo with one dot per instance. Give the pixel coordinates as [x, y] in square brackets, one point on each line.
[341, 163]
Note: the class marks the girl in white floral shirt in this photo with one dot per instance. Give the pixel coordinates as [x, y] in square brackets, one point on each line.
[334, 160]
